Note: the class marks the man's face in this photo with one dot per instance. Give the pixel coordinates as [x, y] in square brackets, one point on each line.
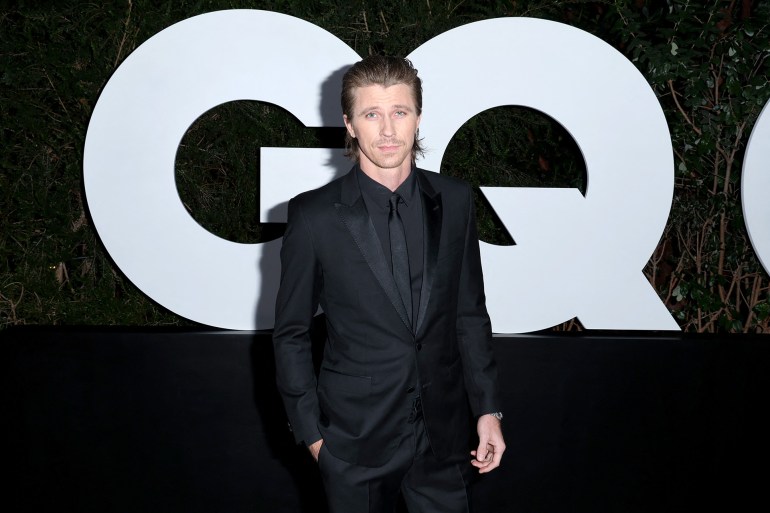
[384, 121]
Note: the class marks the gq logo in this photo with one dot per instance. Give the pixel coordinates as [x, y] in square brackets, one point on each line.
[575, 255]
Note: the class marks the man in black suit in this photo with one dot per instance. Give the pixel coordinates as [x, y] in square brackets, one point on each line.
[391, 254]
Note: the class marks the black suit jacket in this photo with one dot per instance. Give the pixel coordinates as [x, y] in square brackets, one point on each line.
[360, 401]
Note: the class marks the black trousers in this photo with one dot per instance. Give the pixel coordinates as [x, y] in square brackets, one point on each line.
[427, 485]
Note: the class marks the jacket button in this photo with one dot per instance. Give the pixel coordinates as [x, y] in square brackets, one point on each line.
[410, 390]
[419, 347]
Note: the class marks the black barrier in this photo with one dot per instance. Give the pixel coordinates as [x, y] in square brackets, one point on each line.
[143, 420]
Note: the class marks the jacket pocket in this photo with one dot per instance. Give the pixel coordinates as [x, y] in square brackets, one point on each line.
[334, 380]
[345, 401]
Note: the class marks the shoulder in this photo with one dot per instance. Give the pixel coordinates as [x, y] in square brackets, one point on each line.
[448, 186]
[444, 181]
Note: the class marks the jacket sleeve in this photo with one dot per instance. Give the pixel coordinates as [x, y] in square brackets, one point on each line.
[296, 304]
[474, 330]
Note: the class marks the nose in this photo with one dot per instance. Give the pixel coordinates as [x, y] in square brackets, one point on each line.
[386, 128]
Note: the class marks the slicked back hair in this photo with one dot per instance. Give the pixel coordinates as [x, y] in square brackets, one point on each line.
[383, 71]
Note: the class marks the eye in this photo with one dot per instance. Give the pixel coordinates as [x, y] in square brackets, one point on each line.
[400, 113]
[370, 115]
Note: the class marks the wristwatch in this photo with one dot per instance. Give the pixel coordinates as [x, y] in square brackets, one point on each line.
[498, 415]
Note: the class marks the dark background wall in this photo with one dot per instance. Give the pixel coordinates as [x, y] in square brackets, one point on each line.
[706, 61]
[116, 420]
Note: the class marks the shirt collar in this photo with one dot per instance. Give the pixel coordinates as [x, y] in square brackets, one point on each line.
[380, 195]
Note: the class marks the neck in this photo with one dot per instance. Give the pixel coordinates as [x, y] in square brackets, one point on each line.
[390, 178]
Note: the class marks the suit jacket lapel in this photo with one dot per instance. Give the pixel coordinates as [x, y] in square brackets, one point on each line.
[432, 216]
[354, 216]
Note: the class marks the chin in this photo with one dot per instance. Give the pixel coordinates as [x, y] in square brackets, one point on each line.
[393, 161]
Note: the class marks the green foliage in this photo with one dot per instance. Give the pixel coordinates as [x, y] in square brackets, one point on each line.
[706, 61]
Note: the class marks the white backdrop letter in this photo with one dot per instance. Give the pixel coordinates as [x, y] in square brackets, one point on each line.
[138, 123]
[755, 187]
[575, 256]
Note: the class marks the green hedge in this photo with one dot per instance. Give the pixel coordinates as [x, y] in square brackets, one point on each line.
[707, 62]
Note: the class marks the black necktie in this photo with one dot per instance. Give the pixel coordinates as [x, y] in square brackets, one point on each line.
[399, 256]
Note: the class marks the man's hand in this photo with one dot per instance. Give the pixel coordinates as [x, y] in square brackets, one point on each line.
[315, 448]
[491, 445]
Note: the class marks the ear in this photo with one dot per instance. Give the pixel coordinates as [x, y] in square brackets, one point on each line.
[418, 121]
[349, 126]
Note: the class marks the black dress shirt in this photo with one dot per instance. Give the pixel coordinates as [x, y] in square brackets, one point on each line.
[377, 200]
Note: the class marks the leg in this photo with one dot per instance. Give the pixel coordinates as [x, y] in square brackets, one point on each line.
[355, 489]
[432, 486]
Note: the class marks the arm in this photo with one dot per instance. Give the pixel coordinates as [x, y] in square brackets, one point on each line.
[474, 329]
[296, 304]
[474, 334]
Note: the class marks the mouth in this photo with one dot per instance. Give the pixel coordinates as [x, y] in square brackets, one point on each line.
[389, 147]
